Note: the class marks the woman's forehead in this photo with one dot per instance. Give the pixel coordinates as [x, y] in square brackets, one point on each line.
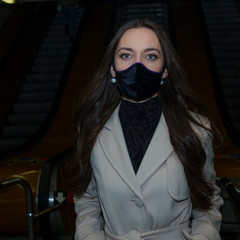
[139, 38]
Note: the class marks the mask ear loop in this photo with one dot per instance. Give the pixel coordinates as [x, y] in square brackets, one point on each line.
[113, 65]
[163, 68]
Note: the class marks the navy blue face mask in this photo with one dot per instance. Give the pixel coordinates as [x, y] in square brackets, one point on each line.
[138, 82]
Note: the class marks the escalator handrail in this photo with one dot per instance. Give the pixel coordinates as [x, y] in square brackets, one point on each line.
[31, 216]
[29, 201]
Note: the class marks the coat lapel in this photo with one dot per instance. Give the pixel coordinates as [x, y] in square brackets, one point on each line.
[157, 153]
[114, 146]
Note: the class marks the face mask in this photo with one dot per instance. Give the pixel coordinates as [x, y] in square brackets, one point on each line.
[138, 82]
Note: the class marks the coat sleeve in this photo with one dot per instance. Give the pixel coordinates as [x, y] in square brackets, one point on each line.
[89, 222]
[206, 224]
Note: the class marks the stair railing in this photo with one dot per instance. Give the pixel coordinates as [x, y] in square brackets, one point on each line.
[29, 203]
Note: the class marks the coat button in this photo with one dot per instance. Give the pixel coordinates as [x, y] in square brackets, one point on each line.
[138, 202]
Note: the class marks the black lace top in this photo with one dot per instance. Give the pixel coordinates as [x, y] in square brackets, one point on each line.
[139, 121]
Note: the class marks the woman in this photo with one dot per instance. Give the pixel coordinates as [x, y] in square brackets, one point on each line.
[144, 146]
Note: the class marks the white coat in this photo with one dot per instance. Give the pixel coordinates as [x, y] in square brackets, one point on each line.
[153, 204]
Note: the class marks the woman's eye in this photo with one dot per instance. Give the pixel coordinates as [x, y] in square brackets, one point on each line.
[125, 56]
[151, 57]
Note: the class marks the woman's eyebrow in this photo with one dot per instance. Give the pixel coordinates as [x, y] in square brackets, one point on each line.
[145, 50]
[152, 49]
[125, 49]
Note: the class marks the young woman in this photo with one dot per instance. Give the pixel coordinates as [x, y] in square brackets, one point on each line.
[144, 146]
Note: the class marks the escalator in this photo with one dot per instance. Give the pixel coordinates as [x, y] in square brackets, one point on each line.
[36, 102]
[222, 25]
[156, 10]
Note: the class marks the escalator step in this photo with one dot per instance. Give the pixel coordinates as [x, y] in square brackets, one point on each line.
[229, 56]
[231, 73]
[224, 41]
[223, 33]
[56, 39]
[50, 61]
[51, 46]
[27, 119]
[237, 126]
[36, 96]
[57, 25]
[234, 115]
[56, 33]
[217, 3]
[43, 77]
[229, 82]
[233, 92]
[54, 53]
[215, 20]
[223, 64]
[224, 27]
[31, 107]
[233, 103]
[40, 87]
[47, 69]
[19, 131]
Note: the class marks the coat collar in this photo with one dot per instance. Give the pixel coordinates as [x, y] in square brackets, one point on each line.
[114, 145]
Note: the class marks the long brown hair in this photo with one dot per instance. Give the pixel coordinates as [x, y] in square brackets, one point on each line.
[101, 98]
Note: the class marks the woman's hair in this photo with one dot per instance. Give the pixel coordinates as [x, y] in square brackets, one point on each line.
[177, 100]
